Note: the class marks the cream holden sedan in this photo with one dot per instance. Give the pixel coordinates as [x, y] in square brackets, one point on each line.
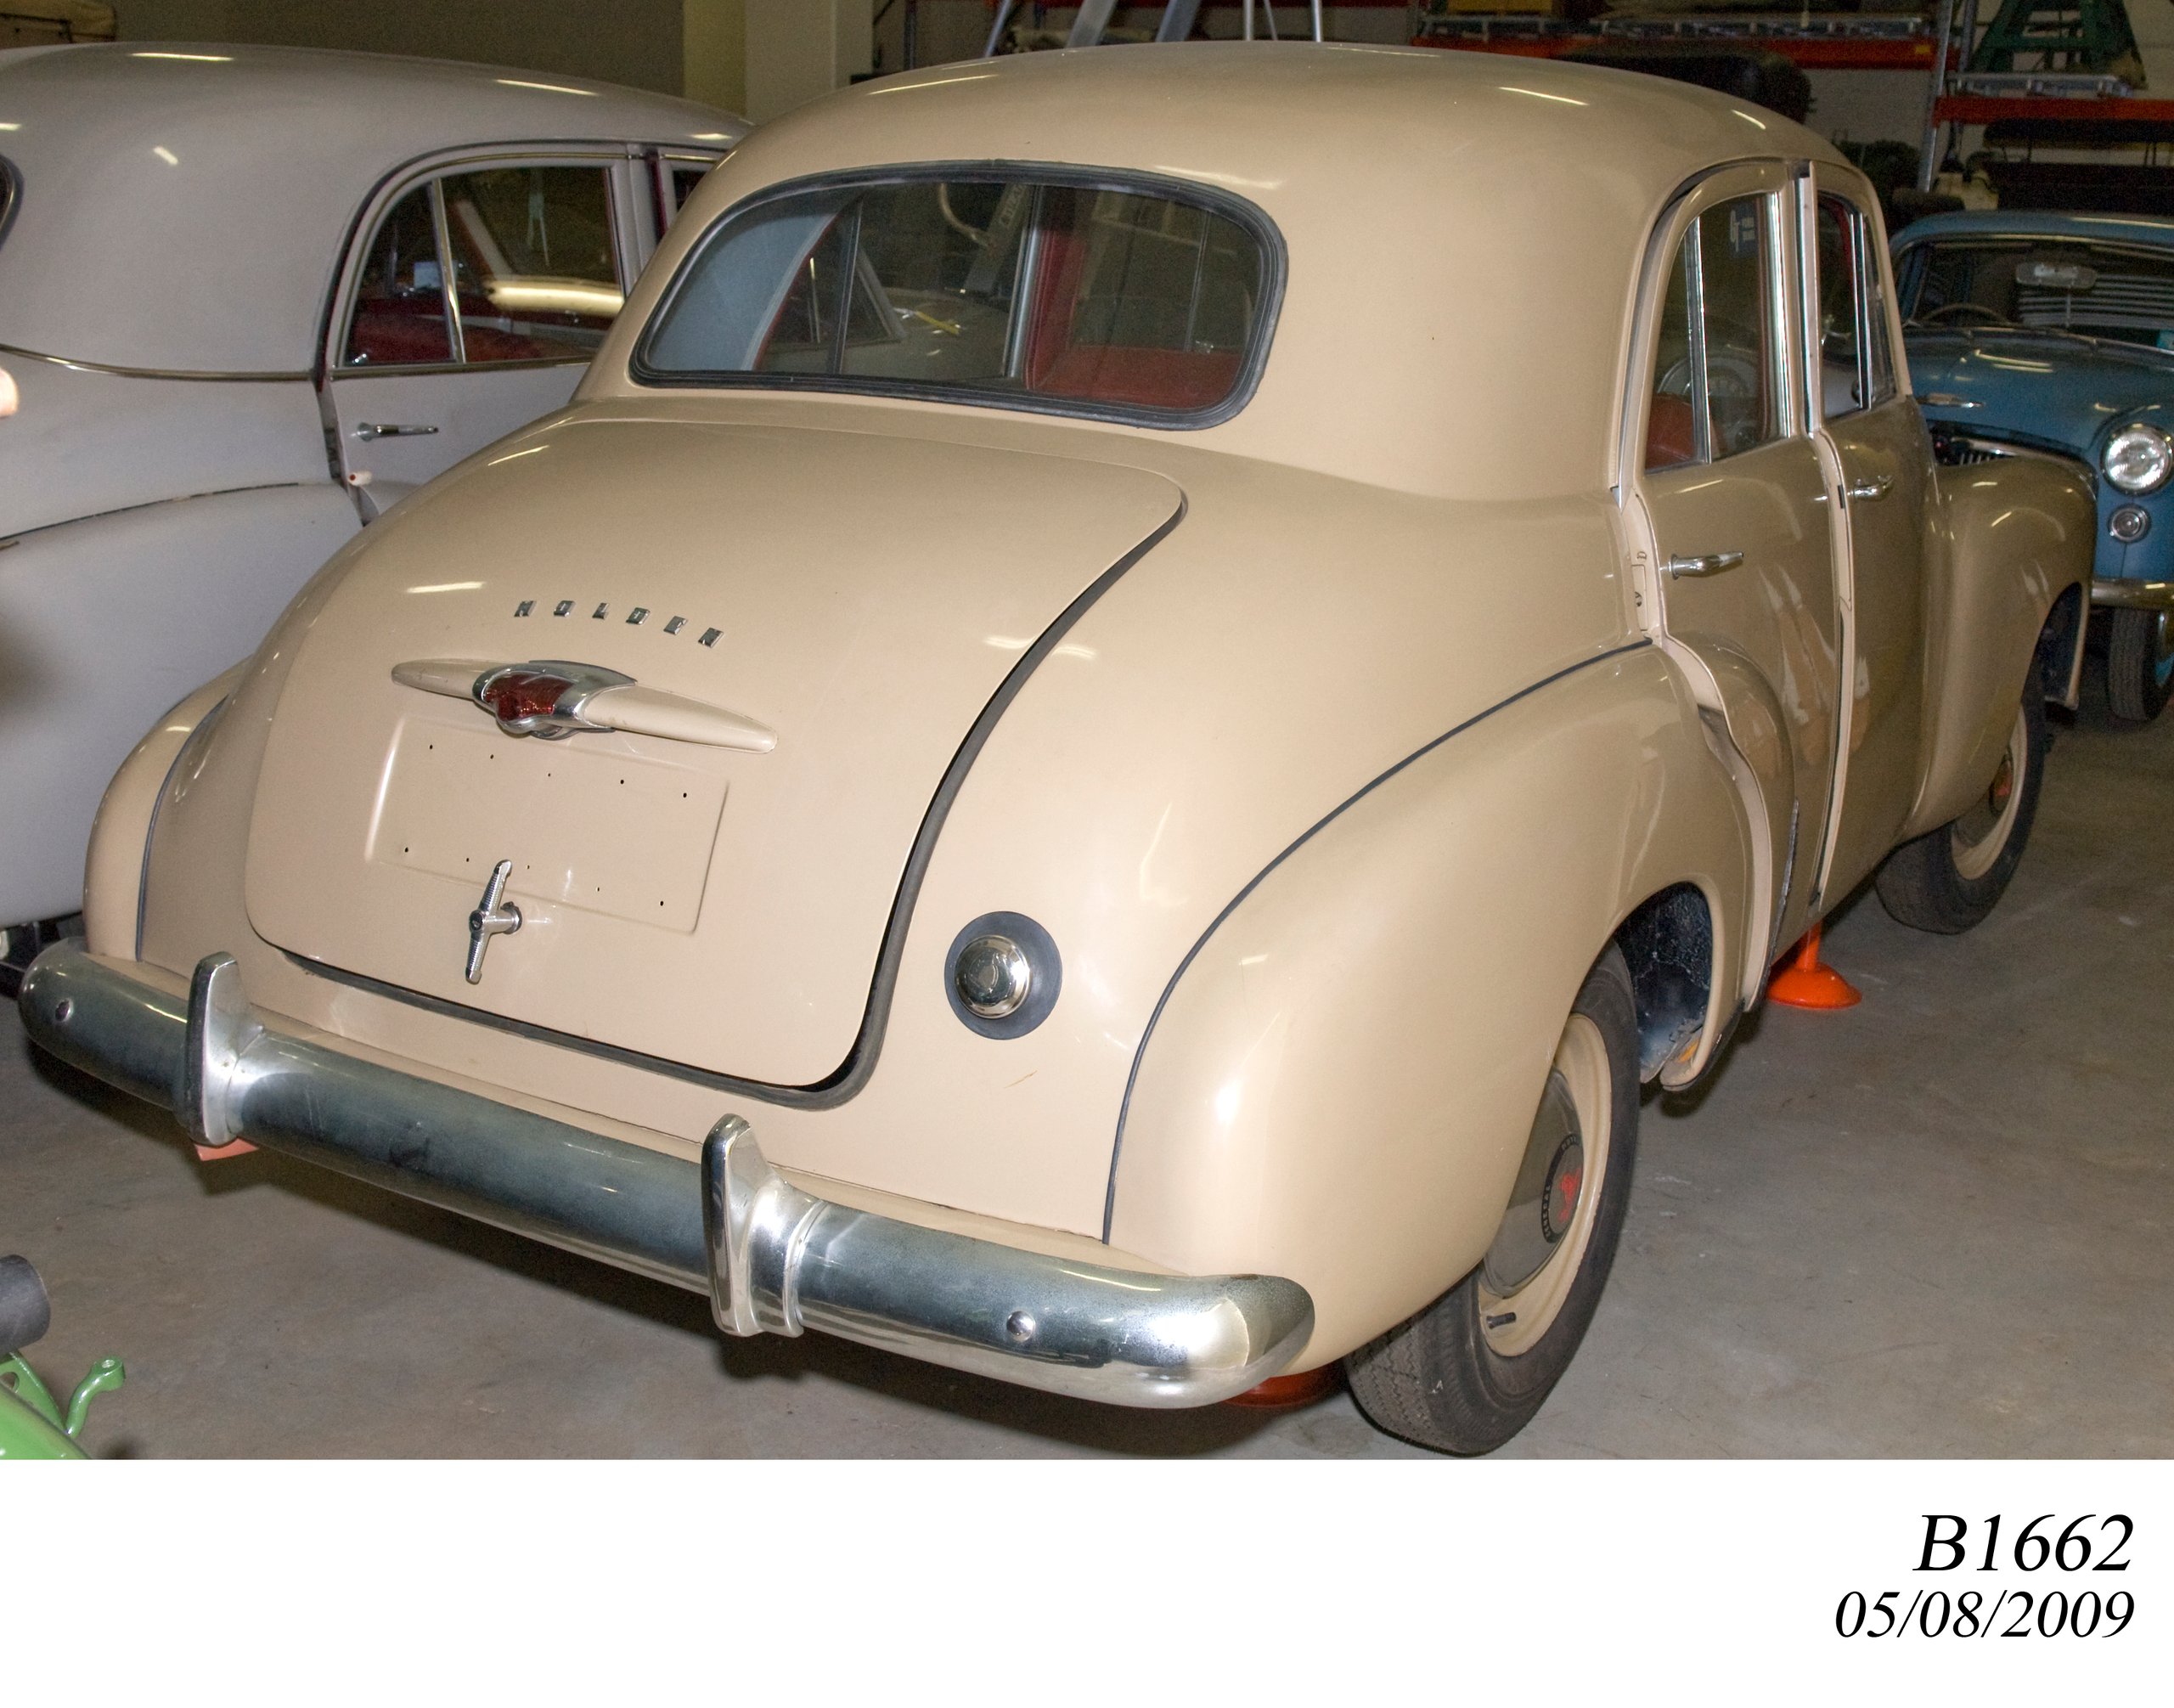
[1140, 691]
[251, 296]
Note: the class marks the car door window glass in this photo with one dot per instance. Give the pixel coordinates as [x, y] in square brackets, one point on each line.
[1672, 435]
[1841, 385]
[1735, 286]
[683, 180]
[399, 317]
[535, 268]
[1879, 348]
[1715, 390]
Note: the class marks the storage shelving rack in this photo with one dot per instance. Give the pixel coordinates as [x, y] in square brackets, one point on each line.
[1965, 85]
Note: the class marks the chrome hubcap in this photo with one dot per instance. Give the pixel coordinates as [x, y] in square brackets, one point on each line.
[1546, 1196]
[1541, 1247]
[1979, 835]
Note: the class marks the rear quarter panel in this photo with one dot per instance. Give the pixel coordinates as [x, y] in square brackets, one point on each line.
[1340, 1084]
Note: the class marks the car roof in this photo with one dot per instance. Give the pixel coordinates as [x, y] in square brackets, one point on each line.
[181, 206]
[1465, 232]
[2106, 227]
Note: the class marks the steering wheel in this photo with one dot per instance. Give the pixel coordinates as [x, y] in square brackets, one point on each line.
[1955, 311]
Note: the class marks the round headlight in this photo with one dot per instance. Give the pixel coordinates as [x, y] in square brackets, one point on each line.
[1003, 975]
[993, 976]
[2139, 459]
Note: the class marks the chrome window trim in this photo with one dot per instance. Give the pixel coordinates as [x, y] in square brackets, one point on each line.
[456, 336]
[1677, 217]
[125, 373]
[368, 372]
[1274, 270]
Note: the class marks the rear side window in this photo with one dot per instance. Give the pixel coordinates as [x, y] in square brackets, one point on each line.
[400, 318]
[504, 264]
[1079, 298]
[1715, 391]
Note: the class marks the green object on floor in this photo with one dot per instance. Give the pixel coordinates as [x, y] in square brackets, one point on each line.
[33, 1425]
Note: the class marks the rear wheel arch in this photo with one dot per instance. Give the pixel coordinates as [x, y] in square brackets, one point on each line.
[1667, 944]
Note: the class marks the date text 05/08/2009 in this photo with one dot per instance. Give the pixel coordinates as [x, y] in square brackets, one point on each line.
[2093, 1543]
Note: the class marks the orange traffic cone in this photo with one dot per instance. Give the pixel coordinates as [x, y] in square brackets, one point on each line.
[1805, 983]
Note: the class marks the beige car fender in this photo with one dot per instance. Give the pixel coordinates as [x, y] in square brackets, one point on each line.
[2019, 533]
[1340, 1081]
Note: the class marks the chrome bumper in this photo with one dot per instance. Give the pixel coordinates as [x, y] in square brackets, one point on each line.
[2133, 596]
[773, 1259]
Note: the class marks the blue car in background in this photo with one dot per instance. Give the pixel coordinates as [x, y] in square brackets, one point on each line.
[2054, 333]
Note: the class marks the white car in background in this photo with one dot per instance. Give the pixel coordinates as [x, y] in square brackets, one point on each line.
[249, 298]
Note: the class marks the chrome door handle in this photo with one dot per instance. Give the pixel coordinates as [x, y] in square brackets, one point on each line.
[367, 430]
[1878, 487]
[1709, 563]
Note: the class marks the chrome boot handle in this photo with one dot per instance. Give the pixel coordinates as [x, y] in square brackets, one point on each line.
[1709, 563]
[367, 430]
[1878, 487]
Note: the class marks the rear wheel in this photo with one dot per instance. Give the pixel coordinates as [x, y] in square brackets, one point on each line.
[1469, 1371]
[1949, 879]
[2139, 663]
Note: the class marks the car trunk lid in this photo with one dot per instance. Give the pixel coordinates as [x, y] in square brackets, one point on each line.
[854, 600]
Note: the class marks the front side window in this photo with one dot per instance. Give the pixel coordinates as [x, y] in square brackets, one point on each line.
[1076, 298]
[1716, 391]
[533, 273]
[1995, 283]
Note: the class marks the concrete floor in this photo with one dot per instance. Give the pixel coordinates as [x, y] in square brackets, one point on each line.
[1937, 1225]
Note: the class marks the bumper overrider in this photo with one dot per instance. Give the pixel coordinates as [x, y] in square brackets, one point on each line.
[2134, 595]
[773, 1259]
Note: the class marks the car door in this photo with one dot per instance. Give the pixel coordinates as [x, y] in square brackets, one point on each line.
[473, 305]
[1884, 462]
[1735, 496]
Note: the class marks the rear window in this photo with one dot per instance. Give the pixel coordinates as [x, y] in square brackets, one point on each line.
[1127, 301]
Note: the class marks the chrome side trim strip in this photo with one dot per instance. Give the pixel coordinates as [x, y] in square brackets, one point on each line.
[773, 1259]
[82, 367]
